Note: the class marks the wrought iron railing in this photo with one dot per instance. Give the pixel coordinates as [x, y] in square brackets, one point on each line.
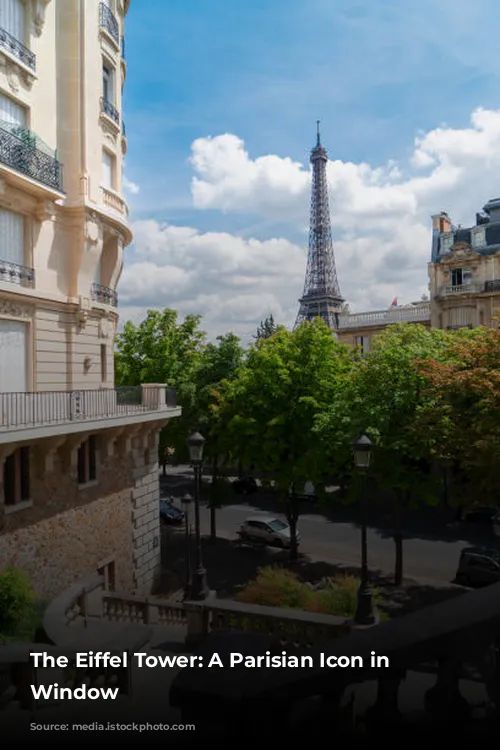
[110, 110]
[40, 409]
[492, 286]
[19, 152]
[122, 48]
[16, 274]
[104, 294]
[17, 49]
[109, 22]
[124, 129]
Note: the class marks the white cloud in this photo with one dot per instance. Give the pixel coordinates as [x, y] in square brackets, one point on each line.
[380, 219]
[131, 187]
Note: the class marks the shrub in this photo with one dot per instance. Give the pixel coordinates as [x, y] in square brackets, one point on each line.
[17, 599]
[279, 587]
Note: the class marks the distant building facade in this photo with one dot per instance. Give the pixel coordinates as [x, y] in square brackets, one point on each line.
[464, 271]
[360, 329]
[78, 458]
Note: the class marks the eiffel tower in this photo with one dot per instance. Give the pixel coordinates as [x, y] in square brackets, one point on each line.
[321, 297]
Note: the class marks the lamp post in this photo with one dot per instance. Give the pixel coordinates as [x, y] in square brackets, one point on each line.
[186, 503]
[365, 614]
[199, 588]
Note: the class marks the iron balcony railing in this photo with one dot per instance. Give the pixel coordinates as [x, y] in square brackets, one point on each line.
[109, 22]
[105, 295]
[42, 409]
[124, 129]
[21, 275]
[17, 49]
[122, 48]
[19, 152]
[110, 110]
[492, 286]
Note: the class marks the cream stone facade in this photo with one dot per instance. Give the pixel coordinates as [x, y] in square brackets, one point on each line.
[79, 478]
[361, 329]
[464, 271]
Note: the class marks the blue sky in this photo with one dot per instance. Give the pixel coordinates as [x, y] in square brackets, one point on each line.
[376, 72]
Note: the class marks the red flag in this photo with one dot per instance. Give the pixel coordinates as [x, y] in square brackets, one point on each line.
[394, 302]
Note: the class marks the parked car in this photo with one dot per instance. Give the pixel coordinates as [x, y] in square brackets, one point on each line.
[266, 530]
[482, 514]
[170, 514]
[245, 486]
[478, 566]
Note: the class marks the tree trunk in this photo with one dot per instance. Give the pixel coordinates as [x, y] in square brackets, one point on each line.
[213, 500]
[292, 514]
[164, 467]
[398, 539]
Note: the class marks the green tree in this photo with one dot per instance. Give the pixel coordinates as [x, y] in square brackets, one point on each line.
[462, 411]
[218, 362]
[271, 406]
[382, 398]
[162, 349]
[266, 328]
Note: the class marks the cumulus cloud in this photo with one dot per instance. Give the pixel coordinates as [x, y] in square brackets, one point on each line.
[380, 219]
[131, 187]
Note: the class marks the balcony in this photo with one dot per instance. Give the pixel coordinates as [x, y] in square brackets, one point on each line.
[49, 413]
[114, 201]
[411, 314]
[492, 286]
[124, 130]
[447, 291]
[15, 274]
[24, 152]
[109, 23]
[105, 295]
[18, 50]
[122, 49]
[109, 109]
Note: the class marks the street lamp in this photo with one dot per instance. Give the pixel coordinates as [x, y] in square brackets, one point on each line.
[199, 588]
[365, 614]
[186, 503]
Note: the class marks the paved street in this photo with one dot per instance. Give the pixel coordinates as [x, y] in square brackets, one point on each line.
[328, 534]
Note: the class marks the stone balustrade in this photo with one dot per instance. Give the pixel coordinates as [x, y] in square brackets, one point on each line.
[455, 640]
[142, 610]
[292, 628]
[406, 314]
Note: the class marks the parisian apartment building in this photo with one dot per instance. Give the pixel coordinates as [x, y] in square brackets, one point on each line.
[464, 282]
[78, 458]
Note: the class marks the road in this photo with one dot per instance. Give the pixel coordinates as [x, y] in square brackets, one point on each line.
[326, 540]
[430, 558]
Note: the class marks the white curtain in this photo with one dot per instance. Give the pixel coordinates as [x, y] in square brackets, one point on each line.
[11, 237]
[12, 18]
[13, 356]
[107, 170]
[10, 111]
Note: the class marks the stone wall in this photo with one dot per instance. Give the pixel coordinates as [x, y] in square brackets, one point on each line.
[67, 532]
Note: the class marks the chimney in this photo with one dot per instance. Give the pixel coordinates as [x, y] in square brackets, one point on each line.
[441, 222]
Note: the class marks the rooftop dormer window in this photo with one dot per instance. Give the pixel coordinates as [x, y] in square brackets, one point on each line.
[446, 242]
[478, 236]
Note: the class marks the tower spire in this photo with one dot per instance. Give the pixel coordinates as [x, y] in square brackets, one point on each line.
[321, 297]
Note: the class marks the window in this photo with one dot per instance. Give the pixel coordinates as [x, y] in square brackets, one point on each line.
[108, 84]
[107, 571]
[104, 363]
[13, 361]
[12, 18]
[11, 112]
[16, 477]
[446, 242]
[461, 276]
[87, 461]
[11, 237]
[108, 170]
[478, 237]
[364, 343]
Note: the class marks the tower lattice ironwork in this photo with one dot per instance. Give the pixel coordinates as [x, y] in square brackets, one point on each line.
[321, 297]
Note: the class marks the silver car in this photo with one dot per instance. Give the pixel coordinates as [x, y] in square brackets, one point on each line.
[266, 530]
